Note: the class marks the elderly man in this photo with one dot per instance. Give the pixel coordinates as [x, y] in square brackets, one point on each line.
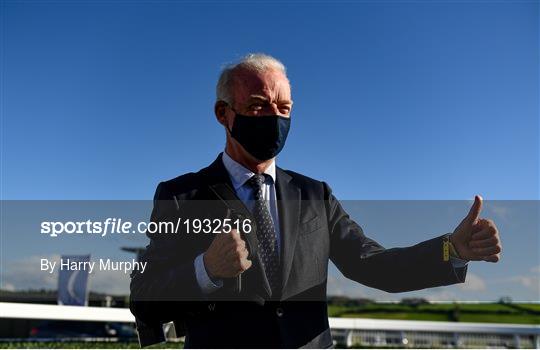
[264, 285]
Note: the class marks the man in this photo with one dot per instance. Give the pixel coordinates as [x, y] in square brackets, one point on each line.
[266, 287]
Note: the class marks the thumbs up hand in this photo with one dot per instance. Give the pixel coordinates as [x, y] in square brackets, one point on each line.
[476, 238]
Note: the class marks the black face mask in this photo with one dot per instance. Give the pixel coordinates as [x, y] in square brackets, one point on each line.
[262, 136]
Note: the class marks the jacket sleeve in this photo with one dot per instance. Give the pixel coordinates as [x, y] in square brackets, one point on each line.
[165, 289]
[393, 270]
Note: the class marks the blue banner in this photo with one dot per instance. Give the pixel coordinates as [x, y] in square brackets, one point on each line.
[73, 280]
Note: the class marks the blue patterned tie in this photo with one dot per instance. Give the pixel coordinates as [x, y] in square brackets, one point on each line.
[266, 233]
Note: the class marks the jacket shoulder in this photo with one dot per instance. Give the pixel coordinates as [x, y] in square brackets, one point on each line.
[306, 182]
[301, 177]
[183, 185]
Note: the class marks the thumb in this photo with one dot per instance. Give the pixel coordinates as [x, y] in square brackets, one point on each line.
[475, 210]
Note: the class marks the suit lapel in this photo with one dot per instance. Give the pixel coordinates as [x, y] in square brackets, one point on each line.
[288, 195]
[219, 183]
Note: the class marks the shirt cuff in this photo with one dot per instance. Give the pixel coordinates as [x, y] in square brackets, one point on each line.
[457, 262]
[206, 284]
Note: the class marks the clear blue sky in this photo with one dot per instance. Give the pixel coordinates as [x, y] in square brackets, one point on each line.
[393, 100]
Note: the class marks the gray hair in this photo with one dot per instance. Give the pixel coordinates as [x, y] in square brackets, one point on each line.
[255, 62]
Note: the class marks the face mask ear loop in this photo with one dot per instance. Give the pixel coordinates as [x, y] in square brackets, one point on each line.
[232, 109]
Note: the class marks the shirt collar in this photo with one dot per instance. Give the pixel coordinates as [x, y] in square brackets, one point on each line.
[240, 174]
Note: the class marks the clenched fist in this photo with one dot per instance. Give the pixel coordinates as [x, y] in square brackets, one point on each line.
[227, 256]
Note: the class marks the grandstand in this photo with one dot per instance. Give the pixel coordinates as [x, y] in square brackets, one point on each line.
[432, 334]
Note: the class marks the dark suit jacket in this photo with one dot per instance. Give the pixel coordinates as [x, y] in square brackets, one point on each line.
[314, 229]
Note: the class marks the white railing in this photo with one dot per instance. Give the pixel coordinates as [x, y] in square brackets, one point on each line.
[105, 314]
[433, 326]
[64, 312]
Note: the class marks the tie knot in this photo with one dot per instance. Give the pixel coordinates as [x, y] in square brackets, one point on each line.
[257, 181]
